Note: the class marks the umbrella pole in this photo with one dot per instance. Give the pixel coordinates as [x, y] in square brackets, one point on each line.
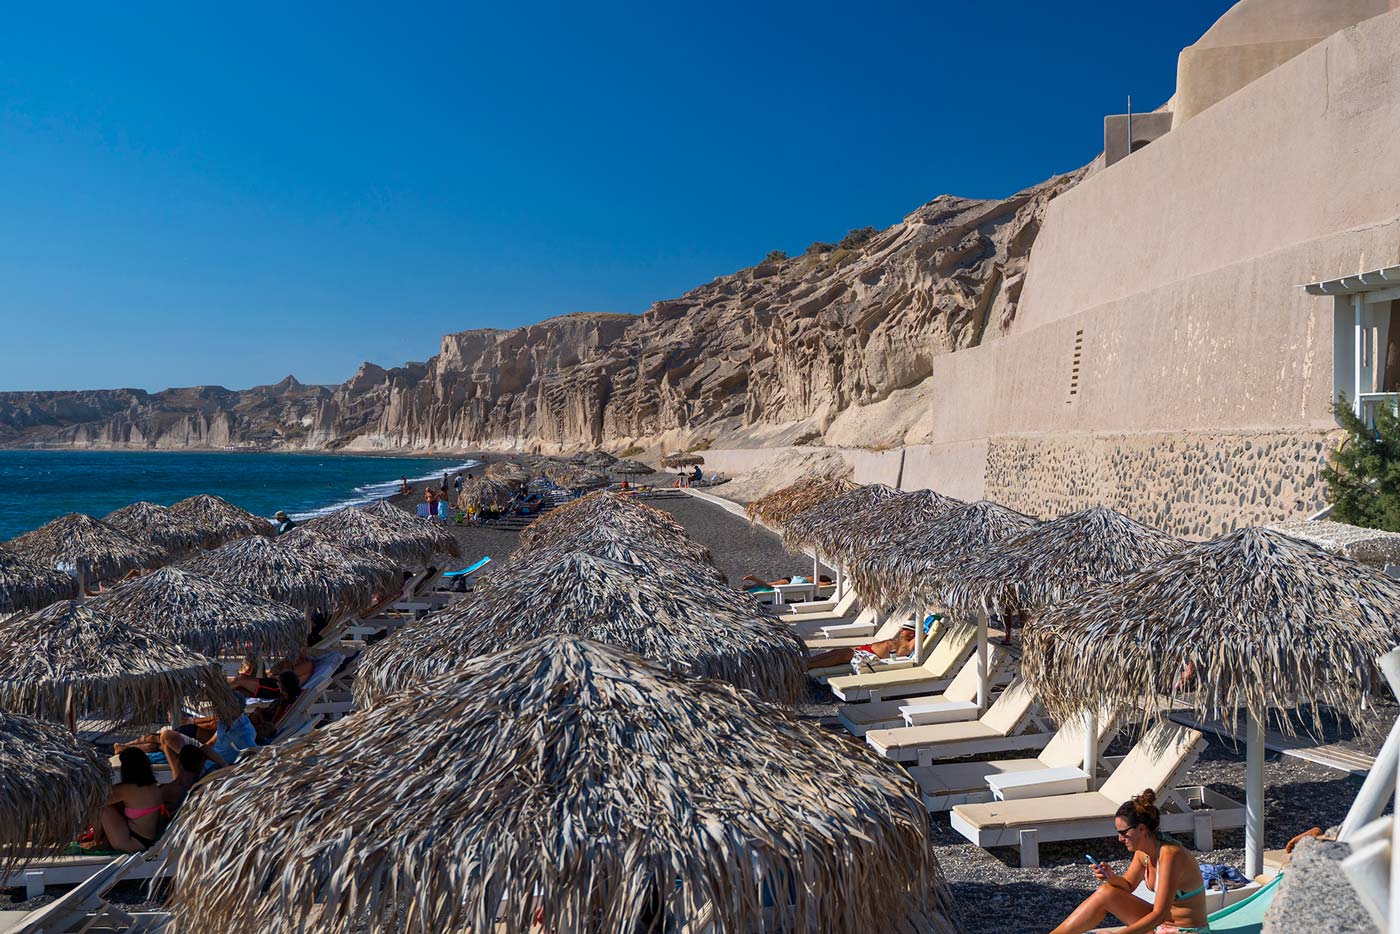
[1380, 781]
[983, 677]
[1254, 799]
[1091, 745]
[72, 713]
[816, 572]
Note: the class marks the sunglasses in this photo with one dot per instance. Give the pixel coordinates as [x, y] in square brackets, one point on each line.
[1125, 831]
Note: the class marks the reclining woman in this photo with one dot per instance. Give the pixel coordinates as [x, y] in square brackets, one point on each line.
[902, 644]
[752, 583]
[1168, 868]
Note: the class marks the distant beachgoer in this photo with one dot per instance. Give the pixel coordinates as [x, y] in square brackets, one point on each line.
[284, 524]
[430, 496]
[443, 488]
[404, 488]
[758, 583]
[698, 475]
[457, 484]
[266, 719]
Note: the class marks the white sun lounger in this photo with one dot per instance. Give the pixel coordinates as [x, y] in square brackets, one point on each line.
[946, 656]
[864, 628]
[1158, 761]
[1001, 729]
[882, 715]
[822, 609]
[816, 627]
[84, 908]
[947, 784]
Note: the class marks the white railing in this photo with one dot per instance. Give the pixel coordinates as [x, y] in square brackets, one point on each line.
[1369, 402]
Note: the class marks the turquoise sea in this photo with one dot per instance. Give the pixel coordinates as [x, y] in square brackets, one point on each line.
[36, 486]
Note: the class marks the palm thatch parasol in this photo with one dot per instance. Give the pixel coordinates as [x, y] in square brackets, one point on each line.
[597, 459]
[69, 657]
[53, 786]
[885, 574]
[608, 515]
[655, 557]
[566, 778]
[26, 585]
[778, 507]
[486, 494]
[377, 572]
[631, 468]
[510, 473]
[571, 477]
[800, 531]
[1260, 620]
[311, 582]
[221, 521]
[95, 550]
[363, 531]
[667, 619]
[429, 533]
[893, 520]
[682, 459]
[158, 526]
[206, 615]
[1051, 563]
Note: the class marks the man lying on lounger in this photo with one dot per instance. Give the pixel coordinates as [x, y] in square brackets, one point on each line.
[862, 655]
[248, 683]
[757, 583]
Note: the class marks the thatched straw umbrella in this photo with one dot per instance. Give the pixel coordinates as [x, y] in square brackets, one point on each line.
[890, 522]
[158, 526]
[563, 778]
[95, 550]
[682, 459]
[221, 521]
[318, 582]
[775, 509]
[800, 531]
[1262, 621]
[69, 657]
[428, 533]
[631, 468]
[485, 494]
[598, 459]
[609, 515]
[511, 474]
[382, 576]
[27, 585]
[53, 785]
[363, 531]
[571, 477]
[884, 575]
[667, 619]
[206, 615]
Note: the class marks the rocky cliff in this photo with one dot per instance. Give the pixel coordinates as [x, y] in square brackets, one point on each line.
[776, 352]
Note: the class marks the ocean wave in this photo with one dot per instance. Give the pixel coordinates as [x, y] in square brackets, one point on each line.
[370, 492]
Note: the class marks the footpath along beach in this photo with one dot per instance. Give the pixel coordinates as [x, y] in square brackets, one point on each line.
[992, 892]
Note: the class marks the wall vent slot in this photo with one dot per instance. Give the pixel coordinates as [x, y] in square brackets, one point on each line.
[1075, 364]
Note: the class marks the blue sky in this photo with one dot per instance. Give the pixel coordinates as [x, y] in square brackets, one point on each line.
[200, 193]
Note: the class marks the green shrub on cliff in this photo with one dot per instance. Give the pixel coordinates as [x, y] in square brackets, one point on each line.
[1363, 476]
[857, 237]
[775, 256]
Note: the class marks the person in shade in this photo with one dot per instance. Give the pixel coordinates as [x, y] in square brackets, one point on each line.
[284, 524]
[1168, 868]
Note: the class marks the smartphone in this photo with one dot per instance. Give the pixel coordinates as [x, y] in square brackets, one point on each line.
[1092, 862]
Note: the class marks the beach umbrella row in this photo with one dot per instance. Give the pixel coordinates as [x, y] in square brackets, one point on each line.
[364, 531]
[306, 573]
[559, 785]
[573, 477]
[682, 459]
[675, 618]
[94, 550]
[171, 532]
[489, 494]
[426, 533]
[221, 521]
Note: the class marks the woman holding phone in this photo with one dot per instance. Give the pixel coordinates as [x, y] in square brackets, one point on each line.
[1170, 871]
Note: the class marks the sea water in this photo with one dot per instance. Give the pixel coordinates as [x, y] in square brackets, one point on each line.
[36, 486]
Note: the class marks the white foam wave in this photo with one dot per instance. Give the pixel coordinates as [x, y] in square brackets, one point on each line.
[370, 492]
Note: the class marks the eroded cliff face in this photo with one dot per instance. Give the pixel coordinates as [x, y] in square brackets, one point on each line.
[774, 352]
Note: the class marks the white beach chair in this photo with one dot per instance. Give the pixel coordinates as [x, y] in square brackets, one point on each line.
[1158, 761]
[1001, 729]
[946, 656]
[823, 609]
[867, 627]
[1058, 769]
[84, 907]
[958, 701]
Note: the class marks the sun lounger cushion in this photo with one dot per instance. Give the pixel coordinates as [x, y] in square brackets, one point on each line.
[1089, 805]
[948, 653]
[965, 777]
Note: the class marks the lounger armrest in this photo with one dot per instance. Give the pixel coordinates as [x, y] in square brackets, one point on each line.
[839, 630]
[940, 712]
[894, 664]
[1040, 783]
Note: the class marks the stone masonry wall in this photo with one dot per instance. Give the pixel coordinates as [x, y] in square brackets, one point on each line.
[1194, 485]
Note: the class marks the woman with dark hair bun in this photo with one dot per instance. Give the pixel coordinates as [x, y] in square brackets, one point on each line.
[1168, 869]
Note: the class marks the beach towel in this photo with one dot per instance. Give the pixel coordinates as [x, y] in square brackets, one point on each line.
[1221, 876]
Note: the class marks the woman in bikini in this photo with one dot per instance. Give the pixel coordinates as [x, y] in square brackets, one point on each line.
[1170, 871]
[136, 810]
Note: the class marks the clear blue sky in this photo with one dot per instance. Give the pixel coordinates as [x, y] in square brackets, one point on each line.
[200, 193]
